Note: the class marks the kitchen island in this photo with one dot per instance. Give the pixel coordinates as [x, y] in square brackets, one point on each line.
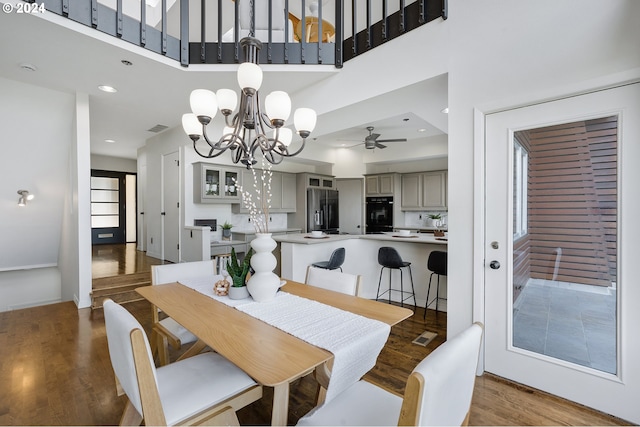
[300, 250]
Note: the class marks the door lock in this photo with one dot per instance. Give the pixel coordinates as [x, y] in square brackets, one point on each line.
[494, 264]
[495, 245]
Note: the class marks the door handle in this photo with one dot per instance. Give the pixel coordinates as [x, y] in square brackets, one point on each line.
[494, 264]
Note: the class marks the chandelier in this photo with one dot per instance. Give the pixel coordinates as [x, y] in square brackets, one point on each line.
[249, 129]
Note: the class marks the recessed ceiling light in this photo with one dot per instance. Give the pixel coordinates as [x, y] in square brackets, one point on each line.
[27, 67]
[422, 130]
[127, 63]
[110, 141]
[106, 88]
[445, 110]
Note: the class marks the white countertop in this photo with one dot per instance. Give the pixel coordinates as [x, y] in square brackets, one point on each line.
[306, 239]
[277, 230]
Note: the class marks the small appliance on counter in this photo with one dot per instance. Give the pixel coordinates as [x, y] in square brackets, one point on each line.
[213, 223]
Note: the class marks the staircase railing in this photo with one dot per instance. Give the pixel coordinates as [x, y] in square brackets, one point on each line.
[202, 31]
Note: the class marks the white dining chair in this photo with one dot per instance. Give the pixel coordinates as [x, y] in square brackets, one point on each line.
[203, 388]
[333, 280]
[165, 332]
[438, 392]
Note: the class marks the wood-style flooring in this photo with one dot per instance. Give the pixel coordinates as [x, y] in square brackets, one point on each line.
[55, 368]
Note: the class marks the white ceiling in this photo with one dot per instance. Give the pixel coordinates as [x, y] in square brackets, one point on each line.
[155, 90]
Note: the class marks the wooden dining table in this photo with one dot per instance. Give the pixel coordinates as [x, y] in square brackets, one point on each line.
[272, 357]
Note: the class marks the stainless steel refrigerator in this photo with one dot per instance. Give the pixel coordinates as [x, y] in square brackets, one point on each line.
[322, 210]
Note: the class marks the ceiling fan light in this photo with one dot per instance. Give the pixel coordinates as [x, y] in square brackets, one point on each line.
[278, 105]
[203, 103]
[304, 120]
[191, 125]
[227, 99]
[249, 76]
[285, 136]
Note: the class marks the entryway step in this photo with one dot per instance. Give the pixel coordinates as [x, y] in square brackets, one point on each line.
[120, 289]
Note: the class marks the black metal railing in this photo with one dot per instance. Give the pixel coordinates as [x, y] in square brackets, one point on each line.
[314, 31]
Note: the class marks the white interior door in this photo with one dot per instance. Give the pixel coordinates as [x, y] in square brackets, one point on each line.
[171, 206]
[562, 246]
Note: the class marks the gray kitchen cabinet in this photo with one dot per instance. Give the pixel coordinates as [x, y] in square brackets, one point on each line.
[379, 185]
[320, 181]
[411, 191]
[283, 191]
[215, 184]
[424, 191]
[434, 190]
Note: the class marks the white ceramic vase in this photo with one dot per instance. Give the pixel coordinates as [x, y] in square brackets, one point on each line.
[264, 283]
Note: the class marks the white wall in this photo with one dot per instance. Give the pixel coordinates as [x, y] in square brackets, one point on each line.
[117, 164]
[74, 256]
[35, 158]
[503, 54]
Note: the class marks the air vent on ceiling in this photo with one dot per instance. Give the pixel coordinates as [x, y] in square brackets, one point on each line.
[157, 128]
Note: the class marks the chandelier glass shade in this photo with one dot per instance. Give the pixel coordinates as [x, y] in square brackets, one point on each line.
[249, 130]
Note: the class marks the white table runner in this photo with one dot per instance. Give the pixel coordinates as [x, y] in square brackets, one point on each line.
[354, 340]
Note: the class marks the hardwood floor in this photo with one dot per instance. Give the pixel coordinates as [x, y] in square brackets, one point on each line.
[55, 370]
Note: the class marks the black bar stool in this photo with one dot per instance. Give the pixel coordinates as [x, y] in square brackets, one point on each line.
[437, 264]
[335, 260]
[389, 258]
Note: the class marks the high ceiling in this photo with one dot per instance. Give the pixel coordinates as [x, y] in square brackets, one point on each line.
[155, 90]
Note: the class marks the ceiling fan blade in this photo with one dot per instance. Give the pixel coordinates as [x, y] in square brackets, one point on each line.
[380, 145]
[372, 137]
[393, 140]
[354, 145]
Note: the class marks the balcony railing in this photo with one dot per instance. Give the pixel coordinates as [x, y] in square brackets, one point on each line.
[203, 31]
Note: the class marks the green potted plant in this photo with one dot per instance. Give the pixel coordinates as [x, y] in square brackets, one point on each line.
[238, 272]
[434, 219]
[226, 229]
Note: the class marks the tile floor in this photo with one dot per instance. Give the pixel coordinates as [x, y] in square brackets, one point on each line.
[568, 321]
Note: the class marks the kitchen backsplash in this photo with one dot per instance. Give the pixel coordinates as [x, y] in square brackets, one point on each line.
[420, 219]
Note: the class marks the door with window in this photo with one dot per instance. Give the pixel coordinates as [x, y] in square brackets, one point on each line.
[562, 248]
[113, 207]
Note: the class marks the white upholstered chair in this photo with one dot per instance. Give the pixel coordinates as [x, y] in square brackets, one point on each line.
[333, 280]
[262, 22]
[167, 331]
[438, 392]
[203, 388]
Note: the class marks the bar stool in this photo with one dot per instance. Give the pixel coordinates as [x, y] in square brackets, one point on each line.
[437, 264]
[389, 258]
[335, 260]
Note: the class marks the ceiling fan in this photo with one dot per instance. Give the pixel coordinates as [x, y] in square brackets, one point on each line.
[371, 141]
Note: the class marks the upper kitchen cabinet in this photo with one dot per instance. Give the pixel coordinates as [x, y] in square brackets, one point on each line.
[283, 191]
[320, 181]
[424, 191]
[215, 183]
[379, 185]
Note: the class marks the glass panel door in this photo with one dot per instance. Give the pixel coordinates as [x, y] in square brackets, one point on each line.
[565, 241]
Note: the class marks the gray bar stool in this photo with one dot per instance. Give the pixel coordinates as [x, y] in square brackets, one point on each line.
[437, 264]
[335, 260]
[389, 258]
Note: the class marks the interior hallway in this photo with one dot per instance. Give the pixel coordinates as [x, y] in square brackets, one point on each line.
[55, 368]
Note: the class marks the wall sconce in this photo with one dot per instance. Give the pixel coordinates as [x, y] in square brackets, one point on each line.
[24, 196]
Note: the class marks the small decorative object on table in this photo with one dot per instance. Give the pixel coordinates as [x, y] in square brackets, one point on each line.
[238, 272]
[226, 230]
[438, 233]
[221, 288]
